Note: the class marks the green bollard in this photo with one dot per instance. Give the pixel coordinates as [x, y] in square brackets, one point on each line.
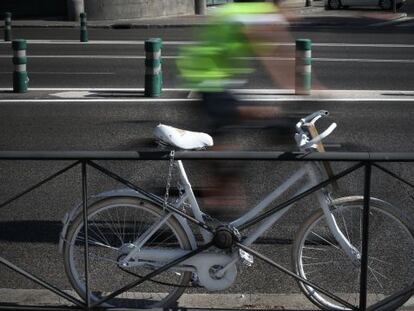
[303, 67]
[20, 77]
[7, 26]
[84, 28]
[153, 73]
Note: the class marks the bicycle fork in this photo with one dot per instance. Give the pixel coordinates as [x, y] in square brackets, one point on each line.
[324, 200]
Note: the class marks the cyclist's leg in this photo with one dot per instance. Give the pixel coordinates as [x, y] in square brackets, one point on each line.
[225, 199]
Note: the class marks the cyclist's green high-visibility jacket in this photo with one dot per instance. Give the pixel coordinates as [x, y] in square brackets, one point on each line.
[212, 64]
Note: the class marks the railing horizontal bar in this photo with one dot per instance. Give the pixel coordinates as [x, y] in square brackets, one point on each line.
[204, 155]
[297, 156]
[38, 308]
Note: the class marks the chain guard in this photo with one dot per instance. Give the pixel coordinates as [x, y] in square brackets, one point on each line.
[212, 263]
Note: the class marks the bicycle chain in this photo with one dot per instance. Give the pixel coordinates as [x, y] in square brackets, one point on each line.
[169, 177]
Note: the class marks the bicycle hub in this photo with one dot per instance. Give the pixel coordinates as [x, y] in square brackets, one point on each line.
[224, 237]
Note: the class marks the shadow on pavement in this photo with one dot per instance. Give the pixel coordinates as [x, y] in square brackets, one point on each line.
[43, 231]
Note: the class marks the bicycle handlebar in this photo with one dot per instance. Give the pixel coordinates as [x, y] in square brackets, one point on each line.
[301, 136]
[312, 118]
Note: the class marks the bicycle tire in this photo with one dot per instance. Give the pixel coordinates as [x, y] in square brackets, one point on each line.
[314, 239]
[105, 276]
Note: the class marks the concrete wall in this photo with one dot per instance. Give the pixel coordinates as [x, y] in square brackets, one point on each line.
[127, 9]
[34, 8]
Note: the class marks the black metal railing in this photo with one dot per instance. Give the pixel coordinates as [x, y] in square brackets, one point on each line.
[364, 160]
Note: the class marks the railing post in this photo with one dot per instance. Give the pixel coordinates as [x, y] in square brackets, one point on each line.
[84, 28]
[153, 72]
[303, 68]
[20, 77]
[7, 26]
[85, 226]
[365, 238]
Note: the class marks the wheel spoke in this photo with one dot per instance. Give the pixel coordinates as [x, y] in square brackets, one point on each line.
[323, 239]
[375, 277]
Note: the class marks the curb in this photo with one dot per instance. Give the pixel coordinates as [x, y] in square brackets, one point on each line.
[208, 301]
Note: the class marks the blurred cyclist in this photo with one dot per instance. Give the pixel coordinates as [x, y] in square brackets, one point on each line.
[236, 32]
[215, 64]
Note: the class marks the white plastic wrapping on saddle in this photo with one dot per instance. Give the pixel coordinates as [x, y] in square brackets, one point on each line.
[181, 138]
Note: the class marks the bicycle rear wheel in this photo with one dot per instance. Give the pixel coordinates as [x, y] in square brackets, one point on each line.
[318, 257]
[113, 224]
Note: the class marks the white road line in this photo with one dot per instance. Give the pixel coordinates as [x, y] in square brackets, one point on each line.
[97, 89]
[242, 91]
[364, 60]
[186, 100]
[63, 73]
[102, 42]
[98, 100]
[141, 42]
[366, 45]
[325, 59]
[90, 56]
[315, 59]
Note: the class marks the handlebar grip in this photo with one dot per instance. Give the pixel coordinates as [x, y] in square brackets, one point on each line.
[312, 118]
[309, 118]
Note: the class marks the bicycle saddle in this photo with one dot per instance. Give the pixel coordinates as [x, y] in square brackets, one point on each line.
[181, 138]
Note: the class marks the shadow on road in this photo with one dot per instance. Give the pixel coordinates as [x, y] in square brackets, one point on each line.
[41, 231]
[115, 94]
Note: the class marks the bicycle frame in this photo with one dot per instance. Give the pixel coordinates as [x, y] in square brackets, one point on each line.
[309, 171]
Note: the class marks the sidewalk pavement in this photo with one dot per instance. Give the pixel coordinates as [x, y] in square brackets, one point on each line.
[315, 14]
[187, 302]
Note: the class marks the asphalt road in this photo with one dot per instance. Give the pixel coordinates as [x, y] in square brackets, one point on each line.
[30, 226]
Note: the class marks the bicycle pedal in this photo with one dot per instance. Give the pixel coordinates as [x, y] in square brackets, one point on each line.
[195, 281]
[246, 258]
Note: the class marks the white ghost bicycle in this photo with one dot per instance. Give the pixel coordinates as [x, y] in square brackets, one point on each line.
[145, 252]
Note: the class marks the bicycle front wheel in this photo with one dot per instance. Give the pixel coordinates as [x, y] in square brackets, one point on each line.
[319, 258]
[113, 225]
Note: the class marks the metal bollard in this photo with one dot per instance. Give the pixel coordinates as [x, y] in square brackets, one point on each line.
[303, 67]
[84, 28]
[153, 73]
[7, 26]
[200, 7]
[20, 77]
